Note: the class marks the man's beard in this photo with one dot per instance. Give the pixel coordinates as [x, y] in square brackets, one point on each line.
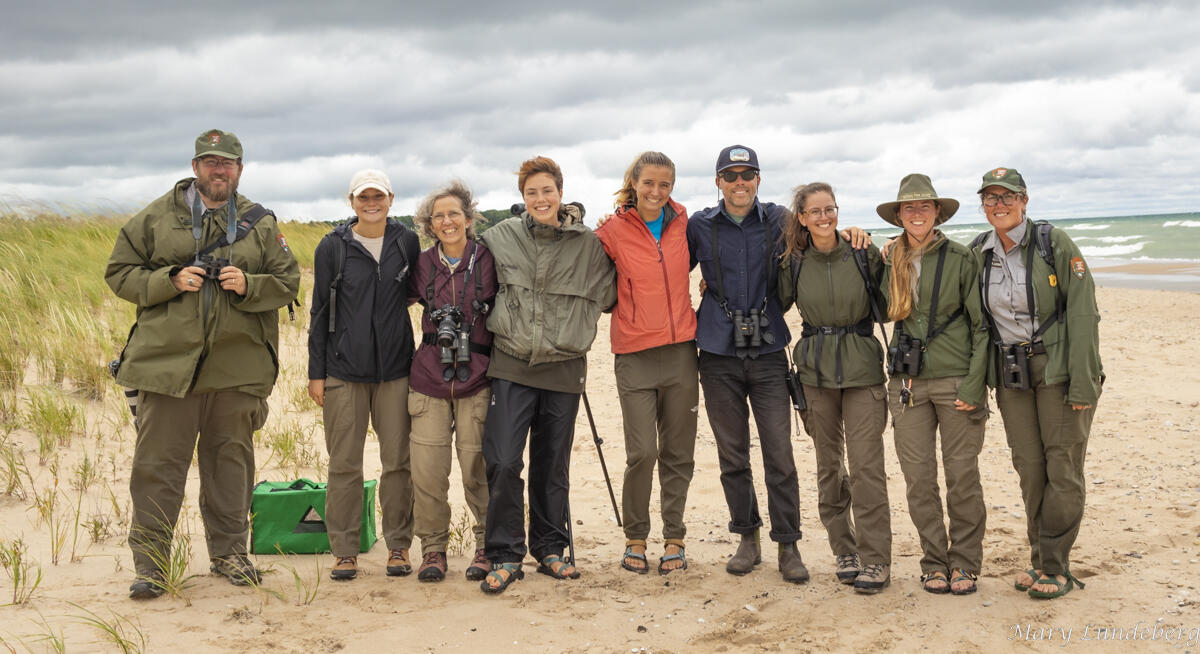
[217, 196]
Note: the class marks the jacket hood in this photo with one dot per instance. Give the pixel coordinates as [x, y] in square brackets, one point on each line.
[570, 218]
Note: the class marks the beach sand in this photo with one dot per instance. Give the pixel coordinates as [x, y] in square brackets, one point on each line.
[1138, 550]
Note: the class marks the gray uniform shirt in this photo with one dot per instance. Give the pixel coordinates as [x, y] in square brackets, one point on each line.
[1007, 298]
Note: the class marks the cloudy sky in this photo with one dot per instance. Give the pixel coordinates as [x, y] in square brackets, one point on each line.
[1096, 103]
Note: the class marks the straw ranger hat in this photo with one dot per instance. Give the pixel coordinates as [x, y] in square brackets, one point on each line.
[916, 187]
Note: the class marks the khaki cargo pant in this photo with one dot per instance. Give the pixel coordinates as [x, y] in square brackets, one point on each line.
[349, 406]
[659, 390]
[1049, 442]
[167, 429]
[853, 419]
[435, 423]
[915, 428]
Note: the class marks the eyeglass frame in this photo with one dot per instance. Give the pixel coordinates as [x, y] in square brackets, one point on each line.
[816, 213]
[730, 176]
[997, 199]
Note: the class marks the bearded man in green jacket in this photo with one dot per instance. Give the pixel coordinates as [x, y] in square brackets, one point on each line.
[208, 270]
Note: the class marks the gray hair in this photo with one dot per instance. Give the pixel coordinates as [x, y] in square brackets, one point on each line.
[455, 189]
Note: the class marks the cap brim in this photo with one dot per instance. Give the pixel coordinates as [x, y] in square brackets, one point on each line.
[1011, 187]
[736, 164]
[374, 185]
[216, 153]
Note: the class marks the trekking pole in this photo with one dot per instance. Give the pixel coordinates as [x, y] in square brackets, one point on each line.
[570, 533]
[598, 441]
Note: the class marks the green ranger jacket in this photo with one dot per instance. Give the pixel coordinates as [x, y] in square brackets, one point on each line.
[1072, 341]
[554, 282]
[829, 292]
[211, 340]
[961, 349]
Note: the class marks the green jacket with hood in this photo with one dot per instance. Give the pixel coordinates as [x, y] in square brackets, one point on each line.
[1072, 341]
[211, 340]
[961, 349]
[829, 292]
[554, 282]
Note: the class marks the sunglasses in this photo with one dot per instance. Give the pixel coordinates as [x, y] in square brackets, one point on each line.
[731, 177]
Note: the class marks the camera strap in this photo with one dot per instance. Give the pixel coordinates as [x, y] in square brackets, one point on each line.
[235, 230]
[720, 289]
[933, 302]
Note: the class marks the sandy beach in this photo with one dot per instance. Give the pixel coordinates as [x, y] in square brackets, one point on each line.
[1138, 551]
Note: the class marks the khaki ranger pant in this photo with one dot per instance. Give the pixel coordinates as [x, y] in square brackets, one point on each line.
[1049, 441]
[852, 418]
[659, 392]
[435, 422]
[915, 428]
[167, 429]
[348, 408]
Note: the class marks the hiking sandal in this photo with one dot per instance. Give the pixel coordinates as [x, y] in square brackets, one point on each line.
[547, 567]
[960, 574]
[630, 554]
[514, 573]
[1063, 587]
[678, 556]
[1033, 574]
[936, 575]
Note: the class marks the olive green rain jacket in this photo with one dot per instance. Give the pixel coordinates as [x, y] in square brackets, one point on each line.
[829, 292]
[554, 282]
[211, 340]
[961, 349]
[1073, 340]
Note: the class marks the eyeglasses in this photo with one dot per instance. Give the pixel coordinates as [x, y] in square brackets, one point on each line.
[219, 162]
[990, 199]
[447, 217]
[731, 177]
[830, 212]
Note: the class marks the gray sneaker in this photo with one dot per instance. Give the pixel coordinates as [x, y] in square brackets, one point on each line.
[237, 568]
[874, 578]
[147, 586]
[848, 567]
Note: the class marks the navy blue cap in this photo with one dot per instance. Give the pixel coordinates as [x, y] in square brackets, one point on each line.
[737, 155]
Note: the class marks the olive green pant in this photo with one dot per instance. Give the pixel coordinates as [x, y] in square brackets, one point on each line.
[435, 423]
[1049, 442]
[659, 390]
[349, 406]
[217, 427]
[915, 428]
[851, 419]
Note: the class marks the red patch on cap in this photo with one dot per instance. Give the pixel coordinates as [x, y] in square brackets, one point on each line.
[1078, 267]
[999, 172]
[214, 138]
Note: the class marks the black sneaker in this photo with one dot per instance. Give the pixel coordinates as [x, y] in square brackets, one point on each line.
[147, 586]
[237, 569]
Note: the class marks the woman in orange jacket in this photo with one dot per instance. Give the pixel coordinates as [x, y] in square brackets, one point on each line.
[653, 340]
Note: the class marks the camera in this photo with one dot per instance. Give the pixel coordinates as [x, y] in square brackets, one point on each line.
[749, 331]
[454, 341]
[905, 357]
[1014, 367]
[212, 265]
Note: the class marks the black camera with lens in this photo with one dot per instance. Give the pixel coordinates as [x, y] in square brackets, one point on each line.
[749, 331]
[905, 357]
[1014, 367]
[454, 341]
[211, 265]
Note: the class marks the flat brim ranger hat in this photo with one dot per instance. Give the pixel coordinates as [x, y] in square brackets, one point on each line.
[916, 187]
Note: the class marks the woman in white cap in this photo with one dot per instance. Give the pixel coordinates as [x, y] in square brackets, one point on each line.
[1039, 295]
[360, 349]
[937, 361]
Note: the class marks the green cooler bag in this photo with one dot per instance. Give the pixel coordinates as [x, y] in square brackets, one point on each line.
[289, 517]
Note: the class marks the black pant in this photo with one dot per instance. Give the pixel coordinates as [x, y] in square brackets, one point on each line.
[727, 383]
[547, 418]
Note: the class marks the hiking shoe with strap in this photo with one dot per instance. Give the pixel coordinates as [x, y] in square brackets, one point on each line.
[433, 567]
[848, 567]
[874, 578]
[345, 569]
[238, 569]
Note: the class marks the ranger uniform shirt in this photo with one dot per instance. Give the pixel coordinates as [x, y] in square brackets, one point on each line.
[1007, 296]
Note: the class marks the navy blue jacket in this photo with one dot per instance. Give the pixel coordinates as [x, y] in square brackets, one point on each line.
[373, 341]
[748, 273]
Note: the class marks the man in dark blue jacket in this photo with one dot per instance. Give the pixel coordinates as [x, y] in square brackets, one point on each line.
[742, 339]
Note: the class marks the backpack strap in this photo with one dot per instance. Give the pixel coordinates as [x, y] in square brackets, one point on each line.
[339, 262]
[244, 225]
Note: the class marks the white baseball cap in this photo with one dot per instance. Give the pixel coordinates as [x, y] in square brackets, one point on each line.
[369, 178]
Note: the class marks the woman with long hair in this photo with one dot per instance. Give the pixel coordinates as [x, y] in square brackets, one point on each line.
[840, 366]
[653, 334]
[937, 361]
